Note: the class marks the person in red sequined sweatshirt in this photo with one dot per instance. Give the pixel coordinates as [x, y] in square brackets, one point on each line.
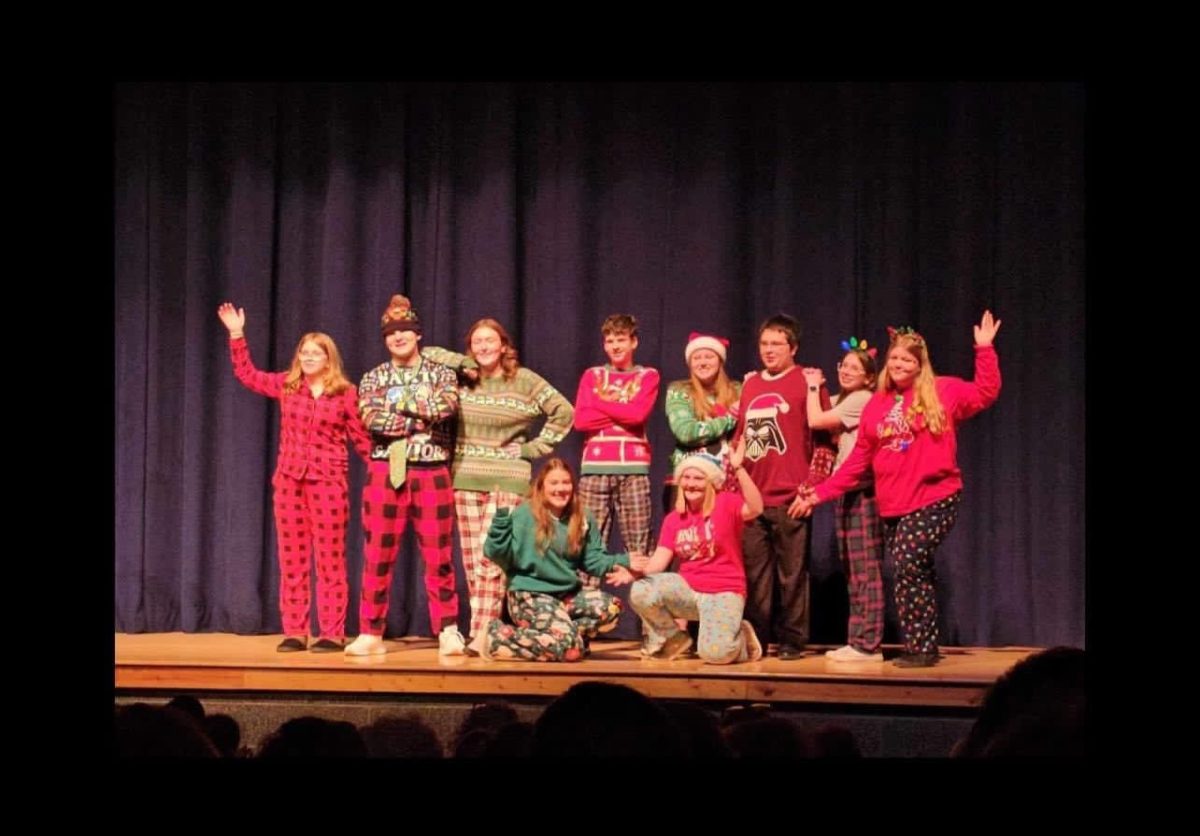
[318, 415]
[907, 437]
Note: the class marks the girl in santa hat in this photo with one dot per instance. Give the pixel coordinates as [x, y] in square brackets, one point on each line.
[702, 410]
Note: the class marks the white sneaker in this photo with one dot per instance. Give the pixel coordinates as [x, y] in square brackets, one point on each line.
[846, 653]
[366, 645]
[753, 645]
[451, 642]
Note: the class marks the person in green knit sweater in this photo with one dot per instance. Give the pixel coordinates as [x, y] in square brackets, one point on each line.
[541, 546]
[702, 410]
[500, 402]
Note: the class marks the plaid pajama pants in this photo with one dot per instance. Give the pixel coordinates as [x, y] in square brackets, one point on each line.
[428, 498]
[311, 516]
[860, 546]
[629, 495]
[486, 582]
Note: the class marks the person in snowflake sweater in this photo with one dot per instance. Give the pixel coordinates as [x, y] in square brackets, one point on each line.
[702, 410]
[612, 407]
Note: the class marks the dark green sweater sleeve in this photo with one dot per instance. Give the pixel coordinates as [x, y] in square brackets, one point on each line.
[596, 561]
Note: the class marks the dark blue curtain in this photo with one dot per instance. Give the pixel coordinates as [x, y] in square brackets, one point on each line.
[549, 206]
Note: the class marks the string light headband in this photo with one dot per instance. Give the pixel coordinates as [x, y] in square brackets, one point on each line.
[855, 344]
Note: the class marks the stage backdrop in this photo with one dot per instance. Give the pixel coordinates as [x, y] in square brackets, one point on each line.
[548, 206]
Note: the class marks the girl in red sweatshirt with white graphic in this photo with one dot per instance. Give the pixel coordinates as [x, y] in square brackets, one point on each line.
[907, 436]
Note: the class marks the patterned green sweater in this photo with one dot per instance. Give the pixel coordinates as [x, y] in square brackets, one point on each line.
[497, 412]
[692, 434]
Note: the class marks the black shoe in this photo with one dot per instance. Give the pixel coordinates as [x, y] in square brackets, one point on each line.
[327, 646]
[916, 660]
[788, 652]
[290, 645]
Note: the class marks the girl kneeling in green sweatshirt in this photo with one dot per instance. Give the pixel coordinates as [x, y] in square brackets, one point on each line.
[541, 545]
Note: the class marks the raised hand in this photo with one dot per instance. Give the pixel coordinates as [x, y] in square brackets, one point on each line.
[986, 330]
[814, 377]
[738, 455]
[232, 318]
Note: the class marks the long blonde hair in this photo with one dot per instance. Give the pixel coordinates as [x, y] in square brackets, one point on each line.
[544, 516]
[727, 394]
[925, 399]
[334, 380]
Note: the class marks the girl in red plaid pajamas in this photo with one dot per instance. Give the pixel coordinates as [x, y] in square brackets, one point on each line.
[907, 437]
[318, 415]
[859, 533]
[408, 406]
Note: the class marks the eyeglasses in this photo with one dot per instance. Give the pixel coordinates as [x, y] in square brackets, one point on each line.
[850, 368]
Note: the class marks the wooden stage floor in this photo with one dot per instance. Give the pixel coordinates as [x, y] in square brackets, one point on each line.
[222, 662]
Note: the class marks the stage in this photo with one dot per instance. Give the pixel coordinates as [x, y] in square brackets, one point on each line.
[892, 711]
